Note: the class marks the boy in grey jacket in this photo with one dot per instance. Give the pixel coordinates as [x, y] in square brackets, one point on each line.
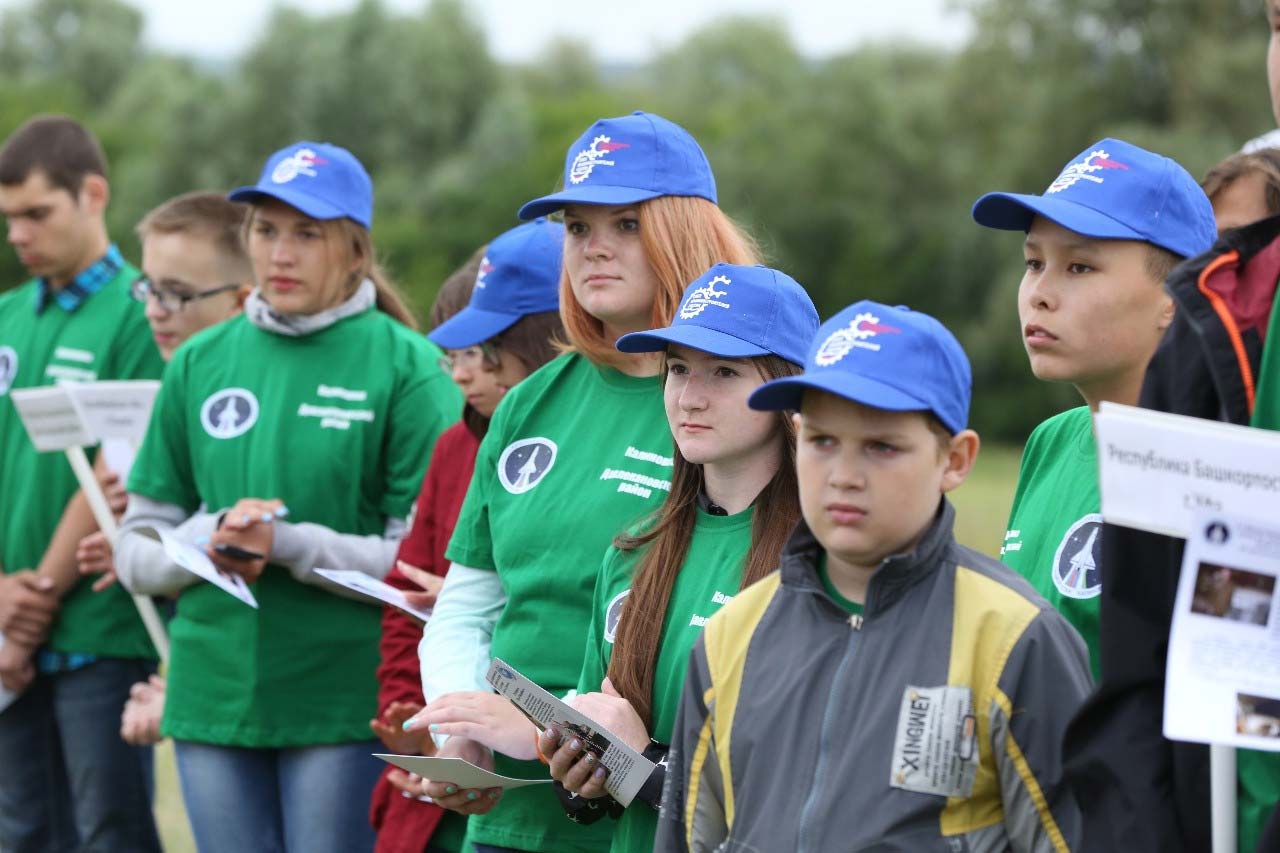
[887, 689]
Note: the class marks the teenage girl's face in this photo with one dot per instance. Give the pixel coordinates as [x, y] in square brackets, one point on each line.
[181, 264]
[483, 385]
[296, 260]
[608, 270]
[706, 402]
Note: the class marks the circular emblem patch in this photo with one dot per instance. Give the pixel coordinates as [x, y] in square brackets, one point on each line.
[1076, 565]
[8, 368]
[524, 463]
[229, 412]
[612, 614]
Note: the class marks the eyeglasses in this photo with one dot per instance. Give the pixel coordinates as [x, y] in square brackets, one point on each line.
[485, 355]
[144, 287]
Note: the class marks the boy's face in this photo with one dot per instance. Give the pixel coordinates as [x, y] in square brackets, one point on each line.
[181, 264]
[1091, 312]
[870, 479]
[51, 229]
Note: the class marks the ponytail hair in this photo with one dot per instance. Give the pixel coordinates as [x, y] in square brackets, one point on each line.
[667, 538]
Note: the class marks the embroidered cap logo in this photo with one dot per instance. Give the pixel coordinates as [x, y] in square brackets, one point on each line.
[486, 267]
[857, 334]
[593, 156]
[702, 297]
[1094, 161]
[301, 162]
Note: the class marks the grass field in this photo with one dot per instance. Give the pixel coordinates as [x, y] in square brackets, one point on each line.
[982, 507]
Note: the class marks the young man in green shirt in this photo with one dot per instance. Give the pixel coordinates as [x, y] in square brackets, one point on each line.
[1092, 308]
[69, 782]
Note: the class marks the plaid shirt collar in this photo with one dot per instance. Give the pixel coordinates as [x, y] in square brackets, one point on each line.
[90, 280]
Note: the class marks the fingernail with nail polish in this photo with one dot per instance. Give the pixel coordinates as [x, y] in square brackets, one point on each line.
[599, 774]
[493, 795]
[471, 795]
[267, 517]
[282, 511]
[451, 790]
[575, 744]
[435, 727]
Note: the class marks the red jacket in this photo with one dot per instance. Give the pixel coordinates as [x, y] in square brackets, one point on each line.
[405, 825]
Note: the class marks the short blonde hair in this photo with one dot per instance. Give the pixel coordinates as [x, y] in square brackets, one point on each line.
[683, 237]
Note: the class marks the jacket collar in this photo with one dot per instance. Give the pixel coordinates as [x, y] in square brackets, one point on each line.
[892, 578]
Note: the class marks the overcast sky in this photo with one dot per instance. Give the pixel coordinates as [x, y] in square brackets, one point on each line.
[619, 30]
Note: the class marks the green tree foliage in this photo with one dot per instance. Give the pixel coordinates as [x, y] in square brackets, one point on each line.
[855, 172]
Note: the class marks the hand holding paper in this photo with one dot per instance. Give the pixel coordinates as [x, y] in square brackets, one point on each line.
[198, 563]
[375, 589]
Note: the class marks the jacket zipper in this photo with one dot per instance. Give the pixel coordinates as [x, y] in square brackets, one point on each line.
[808, 826]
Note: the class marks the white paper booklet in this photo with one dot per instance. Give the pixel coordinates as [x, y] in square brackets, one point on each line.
[1223, 677]
[462, 773]
[627, 768]
[198, 563]
[374, 588]
[1158, 471]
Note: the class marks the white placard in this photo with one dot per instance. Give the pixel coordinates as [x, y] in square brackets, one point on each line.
[51, 419]
[1158, 471]
[198, 563]
[115, 409]
[374, 588]
[628, 769]
[462, 773]
[1223, 677]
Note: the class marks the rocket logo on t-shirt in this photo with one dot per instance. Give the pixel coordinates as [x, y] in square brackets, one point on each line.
[613, 615]
[8, 368]
[524, 463]
[1077, 563]
[229, 413]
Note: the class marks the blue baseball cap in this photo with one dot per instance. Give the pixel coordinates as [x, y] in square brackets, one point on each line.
[1114, 191]
[884, 357]
[321, 180]
[626, 160]
[519, 275]
[737, 312]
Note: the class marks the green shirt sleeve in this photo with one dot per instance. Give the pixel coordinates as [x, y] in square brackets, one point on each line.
[472, 540]
[426, 407]
[133, 353]
[162, 470]
[595, 660]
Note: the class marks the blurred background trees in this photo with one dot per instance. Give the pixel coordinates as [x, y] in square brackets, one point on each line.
[856, 172]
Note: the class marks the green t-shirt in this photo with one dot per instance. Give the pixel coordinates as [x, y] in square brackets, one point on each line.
[1054, 538]
[574, 454]
[853, 608]
[106, 337]
[339, 425]
[709, 577]
[1259, 772]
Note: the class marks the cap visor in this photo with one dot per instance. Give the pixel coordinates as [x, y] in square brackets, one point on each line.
[594, 194]
[695, 337]
[310, 205]
[469, 327]
[787, 393]
[1015, 211]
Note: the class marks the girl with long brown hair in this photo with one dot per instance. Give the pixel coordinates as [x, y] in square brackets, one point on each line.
[576, 453]
[732, 505]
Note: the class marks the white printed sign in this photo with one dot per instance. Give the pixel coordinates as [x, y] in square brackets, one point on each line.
[1223, 676]
[115, 409]
[1158, 471]
[51, 419]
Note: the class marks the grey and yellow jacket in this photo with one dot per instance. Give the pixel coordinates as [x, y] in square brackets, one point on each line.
[933, 722]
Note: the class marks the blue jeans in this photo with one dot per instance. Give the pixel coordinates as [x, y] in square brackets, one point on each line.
[68, 781]
[310, 798]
